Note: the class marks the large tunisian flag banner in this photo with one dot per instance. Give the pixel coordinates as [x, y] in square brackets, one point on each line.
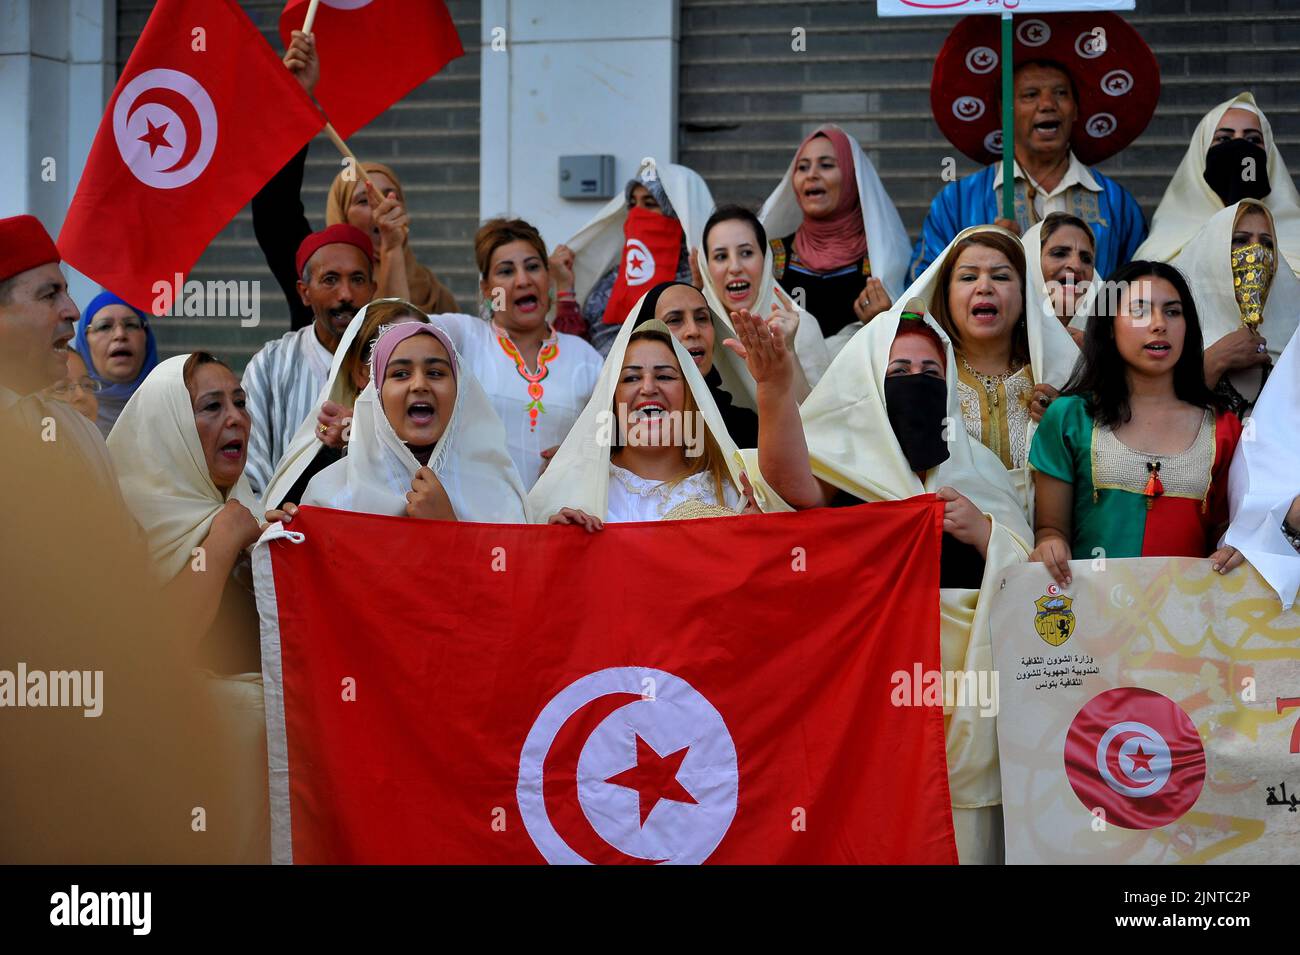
[710, 690]
[1149, 714]
[203, 115]
[373, 52]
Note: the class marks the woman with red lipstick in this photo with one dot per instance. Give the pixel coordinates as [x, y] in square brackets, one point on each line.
[1010, 358]
[179, 449]
[839, 247]
[537, 375]
[1132, 460]
[650, 445]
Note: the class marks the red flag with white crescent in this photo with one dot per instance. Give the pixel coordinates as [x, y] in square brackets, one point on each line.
[473, 693]
[373, 52]
[202, 117]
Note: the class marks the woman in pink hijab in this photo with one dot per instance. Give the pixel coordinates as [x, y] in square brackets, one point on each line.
[828, 255]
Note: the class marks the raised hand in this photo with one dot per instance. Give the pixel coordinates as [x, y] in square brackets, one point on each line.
[301, 60]
[389, 217]
[561, 260]
[784, 317]
[696, 278]
[763, 348]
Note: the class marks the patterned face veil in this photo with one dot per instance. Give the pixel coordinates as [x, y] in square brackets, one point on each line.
[1253, 267]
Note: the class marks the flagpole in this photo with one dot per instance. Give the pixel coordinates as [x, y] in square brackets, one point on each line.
[335, 138]
[311, 16]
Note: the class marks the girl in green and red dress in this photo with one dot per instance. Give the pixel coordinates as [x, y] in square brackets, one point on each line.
[1132, 460]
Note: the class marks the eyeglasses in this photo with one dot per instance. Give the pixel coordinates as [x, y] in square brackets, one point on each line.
[129, 325]
[65, 388]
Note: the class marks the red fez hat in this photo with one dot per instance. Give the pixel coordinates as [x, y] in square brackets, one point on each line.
[24, 244]
[1114, 71]
[340, 233]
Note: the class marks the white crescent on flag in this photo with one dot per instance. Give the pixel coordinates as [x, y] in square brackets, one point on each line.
[656, 780]
[165, 126]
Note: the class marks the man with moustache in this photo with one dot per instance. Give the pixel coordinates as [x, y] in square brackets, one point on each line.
[1085, 85]
[284, 379]
[36, 323]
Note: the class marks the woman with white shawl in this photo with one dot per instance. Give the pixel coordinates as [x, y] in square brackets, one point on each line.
[1264, 483]
[650, 444]
[1245, 296]
[614, 255]
[1012, 355]
[877, 428]
[1232, 156]
[839, 247]
[425, 441]
[321, 438]
[733, 268]
[179, 449]
[1061, 264]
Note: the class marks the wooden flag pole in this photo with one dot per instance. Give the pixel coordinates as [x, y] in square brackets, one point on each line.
[311, 16]
[335, 138]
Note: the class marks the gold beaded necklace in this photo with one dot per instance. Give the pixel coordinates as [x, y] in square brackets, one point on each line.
[990, 382]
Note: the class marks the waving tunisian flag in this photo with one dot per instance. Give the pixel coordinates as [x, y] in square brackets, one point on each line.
[203, 116]
[475, 693]
[373, 52]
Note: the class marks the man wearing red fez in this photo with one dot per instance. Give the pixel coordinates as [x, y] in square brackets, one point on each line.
[36, 324]
[284, 379]
[1086, 85]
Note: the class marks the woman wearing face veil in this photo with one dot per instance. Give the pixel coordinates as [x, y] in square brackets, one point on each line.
[1232, 156]
[1246, 296]
[638, 239]
[425, 441]
[874, 430]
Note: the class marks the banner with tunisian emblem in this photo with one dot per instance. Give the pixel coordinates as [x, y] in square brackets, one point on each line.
[1150, 713]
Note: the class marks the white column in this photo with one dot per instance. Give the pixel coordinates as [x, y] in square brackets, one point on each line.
[57, 69]
[575, 77]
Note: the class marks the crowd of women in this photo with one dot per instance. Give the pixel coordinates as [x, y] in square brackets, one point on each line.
[784, 362]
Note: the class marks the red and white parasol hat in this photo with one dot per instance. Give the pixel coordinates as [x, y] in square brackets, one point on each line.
[1114, 72]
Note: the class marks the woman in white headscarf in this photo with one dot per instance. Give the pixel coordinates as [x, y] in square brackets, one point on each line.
[1264, 483]
[1236, 273]
[835, 233]
[650, 445]
[1061, 264]
[1011, 357]
[613, 257]
[875, 429]
[425, 441]
[1216, 173]
[321, 438]
[734, 271]
[179, 449]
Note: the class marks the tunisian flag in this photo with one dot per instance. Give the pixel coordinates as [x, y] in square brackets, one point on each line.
[203, 115]
[373, 52]
[687, 691]
[652, 246]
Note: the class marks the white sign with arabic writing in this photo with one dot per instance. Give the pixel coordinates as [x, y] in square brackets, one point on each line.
[924, 8]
